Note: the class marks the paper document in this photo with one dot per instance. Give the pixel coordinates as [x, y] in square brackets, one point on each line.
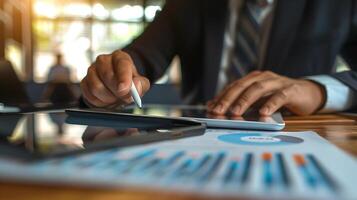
[227, 163]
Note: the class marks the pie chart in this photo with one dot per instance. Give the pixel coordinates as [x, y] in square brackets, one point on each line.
[259, 139]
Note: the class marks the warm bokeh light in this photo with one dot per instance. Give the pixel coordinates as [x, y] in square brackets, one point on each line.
[99, 11]
[82, 29]
[150, 12]
[45, 9]
[14, 55]
[128, 13]
[77, 10]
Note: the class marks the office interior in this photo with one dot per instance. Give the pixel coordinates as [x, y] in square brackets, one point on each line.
[34, 32]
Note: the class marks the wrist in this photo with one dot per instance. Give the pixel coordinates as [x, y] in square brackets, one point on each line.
[319, 94]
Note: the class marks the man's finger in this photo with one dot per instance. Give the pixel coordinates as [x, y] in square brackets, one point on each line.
[236, 89]
[104, 68]
[89, 98]
[225, 89]
[221, 102]
[275, 102]
[127, 99]
[123, 70]
[256, 91]
[97, 88]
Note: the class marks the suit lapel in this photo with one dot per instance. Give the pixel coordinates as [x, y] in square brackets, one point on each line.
[287, 16]
[215, 17]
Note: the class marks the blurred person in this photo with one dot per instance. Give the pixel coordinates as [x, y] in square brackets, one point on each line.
[59, 72]
[235, 52]
[60, 89]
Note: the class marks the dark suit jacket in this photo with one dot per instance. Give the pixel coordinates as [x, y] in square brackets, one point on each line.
[306, 37]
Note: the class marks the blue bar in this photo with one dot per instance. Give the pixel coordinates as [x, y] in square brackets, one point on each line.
[323, 173]
[165, 164]
[268, 176]
[247, 168]
[309, 178]
[213, 167]
[182, 168]
[143, 155]
[148, 165]
[198, 165]
[282, 168]
[233, 167]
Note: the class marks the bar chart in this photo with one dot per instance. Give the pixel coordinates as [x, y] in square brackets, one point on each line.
[268, 171]
[222, 163]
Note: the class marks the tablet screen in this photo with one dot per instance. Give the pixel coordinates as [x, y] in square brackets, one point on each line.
[56, 133]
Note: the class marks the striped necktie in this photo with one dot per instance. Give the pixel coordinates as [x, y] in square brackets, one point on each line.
[244, 55]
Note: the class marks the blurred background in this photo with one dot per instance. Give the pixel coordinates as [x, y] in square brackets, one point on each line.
[37, 35]
[32, 31]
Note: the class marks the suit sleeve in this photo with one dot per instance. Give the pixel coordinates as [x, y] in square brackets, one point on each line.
[154, 49]
[349, 53]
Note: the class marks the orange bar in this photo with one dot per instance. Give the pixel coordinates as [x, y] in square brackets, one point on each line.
[267, 156]
[299, 159]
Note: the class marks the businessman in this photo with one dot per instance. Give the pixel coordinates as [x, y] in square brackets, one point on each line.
[235, 52]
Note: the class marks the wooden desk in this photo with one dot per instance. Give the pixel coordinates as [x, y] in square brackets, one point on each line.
[340, 130]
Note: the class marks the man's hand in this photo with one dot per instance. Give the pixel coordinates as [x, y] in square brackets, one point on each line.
[109, 78]
[301, 97]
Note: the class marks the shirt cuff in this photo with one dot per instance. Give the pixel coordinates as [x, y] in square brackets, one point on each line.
[339, 97]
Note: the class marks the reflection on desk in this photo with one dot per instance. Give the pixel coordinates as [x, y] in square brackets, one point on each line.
[45, 134]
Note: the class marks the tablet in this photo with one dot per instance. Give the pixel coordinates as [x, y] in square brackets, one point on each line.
[47, 134]
[250, 120]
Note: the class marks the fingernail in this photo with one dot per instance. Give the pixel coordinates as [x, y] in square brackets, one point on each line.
[264, 111]
[236, 109]
[121, 87]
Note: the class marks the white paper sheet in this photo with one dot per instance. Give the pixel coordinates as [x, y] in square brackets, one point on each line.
[214, 164]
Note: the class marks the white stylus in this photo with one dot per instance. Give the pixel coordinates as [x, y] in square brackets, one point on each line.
[135, 95]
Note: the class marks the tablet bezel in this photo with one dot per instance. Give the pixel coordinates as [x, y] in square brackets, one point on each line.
[276, 122]
[276, 125]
